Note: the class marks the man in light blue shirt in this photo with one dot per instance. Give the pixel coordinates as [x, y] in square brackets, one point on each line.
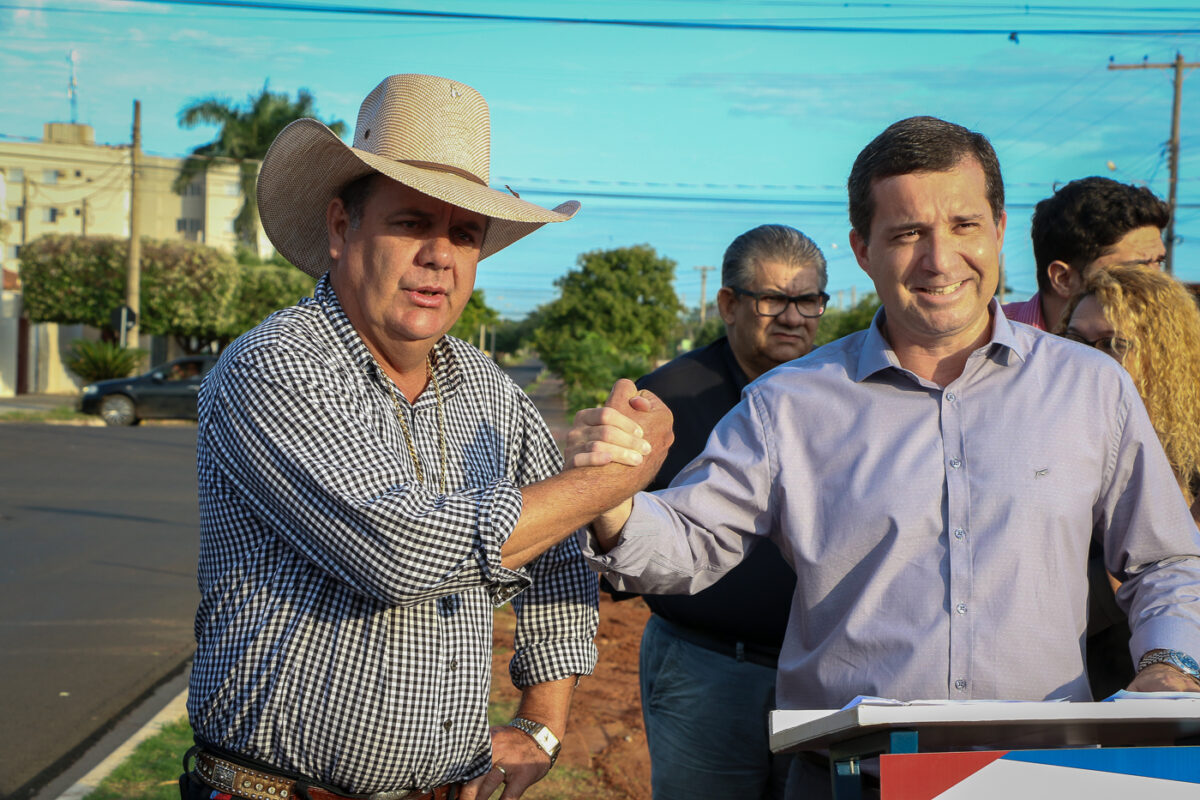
[934, 480]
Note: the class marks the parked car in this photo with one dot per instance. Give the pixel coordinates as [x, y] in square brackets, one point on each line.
[166, 392]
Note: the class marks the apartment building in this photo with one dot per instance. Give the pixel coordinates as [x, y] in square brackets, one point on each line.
[66, 183]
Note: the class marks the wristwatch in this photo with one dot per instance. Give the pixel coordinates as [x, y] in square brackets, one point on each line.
[541, 735]
[1180, 661]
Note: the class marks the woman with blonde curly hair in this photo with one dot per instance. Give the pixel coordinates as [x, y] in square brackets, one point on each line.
[1149, 322]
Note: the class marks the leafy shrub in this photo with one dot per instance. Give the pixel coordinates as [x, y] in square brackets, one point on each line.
[99, 361]
[837, 323]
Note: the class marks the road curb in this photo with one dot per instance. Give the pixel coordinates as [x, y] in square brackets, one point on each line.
[173, 711]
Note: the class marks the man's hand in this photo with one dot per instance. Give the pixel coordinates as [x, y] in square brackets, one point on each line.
[517, 763]
[594, 483]
[631, 428]
[1163, 678]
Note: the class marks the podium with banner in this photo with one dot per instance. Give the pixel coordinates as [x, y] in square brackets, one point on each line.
[985, 750]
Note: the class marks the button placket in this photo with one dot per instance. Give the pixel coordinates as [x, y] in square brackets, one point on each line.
[957, 522]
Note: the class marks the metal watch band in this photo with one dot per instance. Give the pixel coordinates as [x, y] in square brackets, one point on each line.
[1180, 661]
[542, 736]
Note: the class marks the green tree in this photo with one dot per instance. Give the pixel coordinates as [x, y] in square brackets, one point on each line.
[836, 323]
[70, 280]
[245, 135]
[514, 335]
[264, 287]
[589, 365]
[188, 290]
[476, 313]
[614, 316]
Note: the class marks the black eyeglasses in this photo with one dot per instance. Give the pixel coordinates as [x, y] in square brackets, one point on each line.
[772, 304]
[1115, 346]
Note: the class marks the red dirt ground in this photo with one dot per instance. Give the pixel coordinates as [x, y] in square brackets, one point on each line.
[605, 735]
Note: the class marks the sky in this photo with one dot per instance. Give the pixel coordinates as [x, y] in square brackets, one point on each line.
[680, 134]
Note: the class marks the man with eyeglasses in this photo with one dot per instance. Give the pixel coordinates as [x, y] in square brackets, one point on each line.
[1088, 223]
[708, 660]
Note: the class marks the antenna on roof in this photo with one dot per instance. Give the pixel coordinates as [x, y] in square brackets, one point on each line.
[73, 59]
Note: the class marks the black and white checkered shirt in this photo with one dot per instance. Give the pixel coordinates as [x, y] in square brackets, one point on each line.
[345, 625]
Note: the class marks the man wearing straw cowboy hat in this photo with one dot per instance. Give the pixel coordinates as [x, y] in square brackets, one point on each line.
[371, 488]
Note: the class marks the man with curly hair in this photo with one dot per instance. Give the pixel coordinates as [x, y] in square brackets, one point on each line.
[1088, 223]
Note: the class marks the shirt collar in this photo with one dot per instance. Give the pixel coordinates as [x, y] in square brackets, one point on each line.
[877, 353]
[443, 353]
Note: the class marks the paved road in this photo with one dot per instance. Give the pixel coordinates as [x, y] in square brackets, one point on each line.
[98, 534]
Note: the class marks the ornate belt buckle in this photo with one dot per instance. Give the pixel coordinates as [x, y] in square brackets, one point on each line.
[223, 778]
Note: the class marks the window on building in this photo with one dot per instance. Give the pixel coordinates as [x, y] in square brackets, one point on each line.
[14, 251]
[232, 190]
[180, 225]
[16, 213]
[78, 173]
[49, 176]
[15, 174]
[50, 214]
[195, 225]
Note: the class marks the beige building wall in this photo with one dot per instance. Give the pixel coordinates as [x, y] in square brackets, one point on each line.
[68, 184]
[10, 311]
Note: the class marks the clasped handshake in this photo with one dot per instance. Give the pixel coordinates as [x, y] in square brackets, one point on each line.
[628, 437]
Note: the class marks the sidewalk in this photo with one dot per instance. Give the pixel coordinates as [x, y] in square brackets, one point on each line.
[38, 402]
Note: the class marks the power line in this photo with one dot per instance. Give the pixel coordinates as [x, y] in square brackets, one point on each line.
[670, 24]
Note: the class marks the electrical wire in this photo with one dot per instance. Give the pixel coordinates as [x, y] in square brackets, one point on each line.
[671, 24]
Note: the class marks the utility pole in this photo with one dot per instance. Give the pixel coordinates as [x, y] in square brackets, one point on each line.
[703, 290]
[133, 270]
[24, 210]
[1173, 158]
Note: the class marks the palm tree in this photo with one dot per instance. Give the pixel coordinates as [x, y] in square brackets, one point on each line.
[246, 134]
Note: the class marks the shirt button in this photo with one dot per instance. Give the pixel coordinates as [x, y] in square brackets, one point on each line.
[960, 684]
[955, 463]
[961, 608]
[959, 533]
[951, 397]
[453, 664]
[448, 724]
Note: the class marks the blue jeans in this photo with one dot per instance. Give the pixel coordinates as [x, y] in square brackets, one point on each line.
[706, 721]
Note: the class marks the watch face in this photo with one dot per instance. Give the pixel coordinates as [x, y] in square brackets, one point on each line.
[1186, 663]
[540, 734]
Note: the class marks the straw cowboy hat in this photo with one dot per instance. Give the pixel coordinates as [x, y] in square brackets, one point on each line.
[431, 134]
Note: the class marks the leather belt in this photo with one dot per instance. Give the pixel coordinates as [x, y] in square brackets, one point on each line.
[252, 784]
[739, 651]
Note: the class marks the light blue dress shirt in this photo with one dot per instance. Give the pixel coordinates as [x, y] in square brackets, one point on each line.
[939, 535]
